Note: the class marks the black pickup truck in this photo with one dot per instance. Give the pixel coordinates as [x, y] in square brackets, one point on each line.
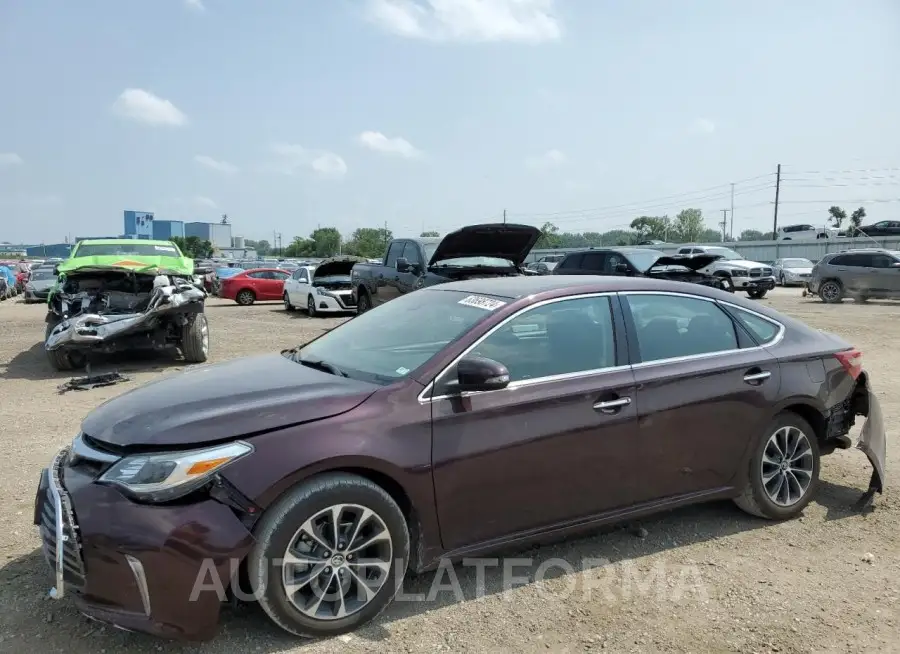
[495, 250]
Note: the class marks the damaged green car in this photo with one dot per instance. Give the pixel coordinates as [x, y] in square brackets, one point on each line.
[125, 294]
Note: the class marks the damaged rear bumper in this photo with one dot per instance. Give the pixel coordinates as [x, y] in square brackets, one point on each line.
[91, 329]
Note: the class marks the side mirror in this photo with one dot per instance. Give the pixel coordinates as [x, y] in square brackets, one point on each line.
[622, 268]
[55, 271]
[403, 265]
[480, 374]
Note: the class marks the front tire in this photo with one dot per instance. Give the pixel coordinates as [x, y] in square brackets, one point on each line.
[783, 474]
[195, 339]
[287, 303]
[363, 303]
[330, 555]
[311, 306]
[757, 294]
[61, 359]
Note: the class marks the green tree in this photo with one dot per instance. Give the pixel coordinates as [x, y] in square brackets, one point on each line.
[690, 227]
[649, 228]
[300, 247]
[262, 247]
[368, 242]
[327, 241]
[193, 247]
[752, 235]
[549, 237]
[856, 220]
[429, 234]
[837, 216]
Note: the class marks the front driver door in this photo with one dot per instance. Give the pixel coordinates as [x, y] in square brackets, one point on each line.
[557, 445]
[385, 284]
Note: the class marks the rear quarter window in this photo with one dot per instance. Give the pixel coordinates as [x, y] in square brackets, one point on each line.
[765, 331]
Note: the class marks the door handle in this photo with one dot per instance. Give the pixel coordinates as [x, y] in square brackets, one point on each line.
[757, 377]
[612, 406]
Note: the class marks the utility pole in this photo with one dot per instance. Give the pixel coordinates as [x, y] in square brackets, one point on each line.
[666, 225]
[385, 236]
[724, 222]
[504, 216]
[732, 211]
[777, 192]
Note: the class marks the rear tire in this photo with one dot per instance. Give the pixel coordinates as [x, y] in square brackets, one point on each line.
[245, 298]
[783, 475]
[280, 533]
[195, 339]
[287, 303]
[831, 291]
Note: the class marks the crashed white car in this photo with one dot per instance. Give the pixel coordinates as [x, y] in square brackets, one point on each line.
[738, 273]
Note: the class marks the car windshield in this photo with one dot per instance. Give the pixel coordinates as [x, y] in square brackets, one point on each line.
[430, 249]
[388, 342]
[474, 262]
[42, 273]
[121, 249]
[797, 263]
[725, 253]
[643, 260]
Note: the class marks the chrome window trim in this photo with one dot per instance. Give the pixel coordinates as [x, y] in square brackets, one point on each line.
[706, 355]
[523, 382]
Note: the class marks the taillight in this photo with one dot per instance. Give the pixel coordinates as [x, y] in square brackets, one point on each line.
[851, 360]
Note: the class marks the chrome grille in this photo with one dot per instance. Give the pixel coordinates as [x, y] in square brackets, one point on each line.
[756, 272]
[57, 522]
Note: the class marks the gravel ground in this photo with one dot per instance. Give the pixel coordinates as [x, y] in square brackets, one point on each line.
[827, 582]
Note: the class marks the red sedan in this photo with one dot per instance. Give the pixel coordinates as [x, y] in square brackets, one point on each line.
[251, 285]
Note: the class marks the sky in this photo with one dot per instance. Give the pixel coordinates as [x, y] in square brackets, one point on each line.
[432, 114]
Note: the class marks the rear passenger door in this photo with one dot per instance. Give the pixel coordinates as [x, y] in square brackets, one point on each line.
[705, 389]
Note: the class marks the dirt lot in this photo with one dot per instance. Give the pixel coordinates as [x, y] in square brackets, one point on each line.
[829, 581]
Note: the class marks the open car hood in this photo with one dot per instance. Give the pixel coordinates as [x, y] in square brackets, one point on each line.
[337, 266]
[500, 240]
[694, 263]
[173, 265]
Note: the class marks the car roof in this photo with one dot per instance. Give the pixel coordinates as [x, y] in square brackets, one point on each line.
[122, 241]
[525, 285]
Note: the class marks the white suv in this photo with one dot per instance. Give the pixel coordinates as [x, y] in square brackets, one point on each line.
[803, 233]
[737, 272]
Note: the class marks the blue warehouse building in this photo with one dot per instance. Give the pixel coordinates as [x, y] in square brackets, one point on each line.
[138, 224]
[166, 230]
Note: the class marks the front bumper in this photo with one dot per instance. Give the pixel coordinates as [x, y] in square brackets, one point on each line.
[338, 302]
[753, 283]
[157, 569]
[36, 296]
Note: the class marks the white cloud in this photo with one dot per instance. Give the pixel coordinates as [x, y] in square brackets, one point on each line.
[528, 21]
[291, 159]
[202, 201]
[10, 159]
[215, 164]
[395, 146]
[703, 126]
[145, 107]
[196, 5]
[550, 159]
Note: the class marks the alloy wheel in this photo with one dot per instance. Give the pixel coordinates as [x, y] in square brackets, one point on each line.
[337, 562]
[830, 291]
[204, 333]
[311, 306]
[787, 466]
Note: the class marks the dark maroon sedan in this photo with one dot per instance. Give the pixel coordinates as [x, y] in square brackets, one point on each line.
[451, 421]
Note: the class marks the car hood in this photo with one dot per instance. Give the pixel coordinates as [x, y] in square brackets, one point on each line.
[337, 266]
[501, 240]
[742, 263]
[137, 263]
[695, 262]
[238, 398]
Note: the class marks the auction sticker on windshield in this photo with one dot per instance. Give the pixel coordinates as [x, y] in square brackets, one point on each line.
[482, 302]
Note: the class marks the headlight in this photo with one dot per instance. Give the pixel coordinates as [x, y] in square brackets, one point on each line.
[166, 476]
[738, 272]
[322, 291]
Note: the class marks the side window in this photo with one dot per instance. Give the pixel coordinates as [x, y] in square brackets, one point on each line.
[394, 253]
[571, 262]
[840, 260]
[764, 330]
[669, 326]
[593, 261]
[279, 275]
[259, 274]
[567, 336]
[685, 251]
[304, 276]
[411, 253]
[297, 274]
[883, 223]
[882, 261]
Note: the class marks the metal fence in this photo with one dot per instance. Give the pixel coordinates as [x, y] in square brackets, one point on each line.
[768, 250]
